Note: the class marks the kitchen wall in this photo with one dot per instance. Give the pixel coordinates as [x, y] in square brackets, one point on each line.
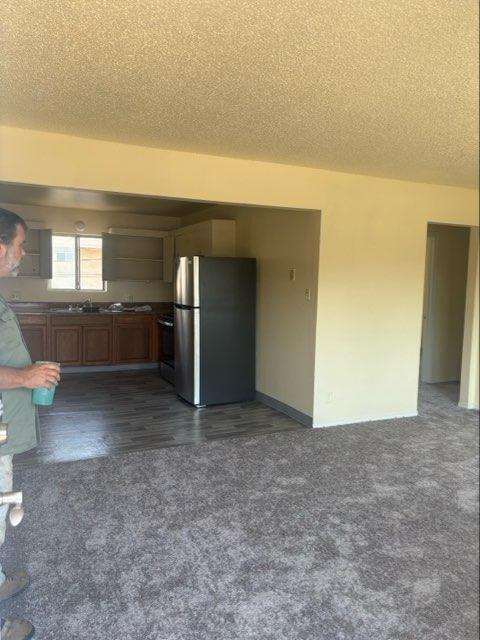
[280, 240]
[62, 221]
[371, 259]
[445, 308]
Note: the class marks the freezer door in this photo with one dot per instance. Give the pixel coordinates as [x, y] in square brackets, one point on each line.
[187, 354]
[187, 282]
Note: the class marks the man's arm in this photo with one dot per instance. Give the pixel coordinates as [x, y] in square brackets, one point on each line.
[32, 377]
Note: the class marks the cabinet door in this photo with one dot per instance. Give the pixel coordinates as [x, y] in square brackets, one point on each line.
[193, 243]
[132, 257]
[134, 340]
[67, 345]
[36, 339]
[168, 258]
[97, 345]
[38, 260]
[45, 246]
[109, 272]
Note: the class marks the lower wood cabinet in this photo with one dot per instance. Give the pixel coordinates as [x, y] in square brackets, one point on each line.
[91, 340]
[67, 345]
[97, 345]
[134, 339]
[35, 331]
[82, 340]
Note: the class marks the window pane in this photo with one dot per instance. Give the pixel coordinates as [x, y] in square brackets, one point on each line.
[63, 262]
[90, 263]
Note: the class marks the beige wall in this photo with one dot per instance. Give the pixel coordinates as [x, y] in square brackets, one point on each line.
[97, 222]
[444, 309]
[280, 240]
[372, 248]
[469, 388]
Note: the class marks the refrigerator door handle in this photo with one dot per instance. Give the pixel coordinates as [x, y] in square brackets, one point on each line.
[196, 356]
[187, 354]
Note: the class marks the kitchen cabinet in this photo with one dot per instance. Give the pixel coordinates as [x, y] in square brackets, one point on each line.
[132, 257]
[135, 339]
[97, 345]
[168, 258]
[76, 340]
[35, 331]
[208, 238]
[37, 262]
[67, 345]
[82, 340]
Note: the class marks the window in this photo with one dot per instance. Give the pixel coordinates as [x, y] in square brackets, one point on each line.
[77, 263]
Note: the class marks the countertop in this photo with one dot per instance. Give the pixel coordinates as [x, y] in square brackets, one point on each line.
[33, 308]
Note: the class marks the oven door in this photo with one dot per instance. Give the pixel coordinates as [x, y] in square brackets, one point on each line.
[167, 348]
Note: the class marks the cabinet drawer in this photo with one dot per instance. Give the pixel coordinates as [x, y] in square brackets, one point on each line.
[32, 318]
[134, 318]
[80, 320]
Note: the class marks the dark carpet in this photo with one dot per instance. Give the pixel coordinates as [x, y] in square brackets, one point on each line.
[354, 532]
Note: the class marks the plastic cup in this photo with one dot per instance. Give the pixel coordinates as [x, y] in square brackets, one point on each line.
[42, 395]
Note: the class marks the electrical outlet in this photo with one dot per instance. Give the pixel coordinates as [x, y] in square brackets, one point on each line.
[292, 274]
[329, 397]
[308, 294]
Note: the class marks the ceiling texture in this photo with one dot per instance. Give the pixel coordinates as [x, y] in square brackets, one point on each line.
[380, 87]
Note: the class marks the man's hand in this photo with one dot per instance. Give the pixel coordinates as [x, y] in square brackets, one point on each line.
[40, 375]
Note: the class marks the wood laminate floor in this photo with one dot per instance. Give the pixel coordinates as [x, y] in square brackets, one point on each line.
[101, 414]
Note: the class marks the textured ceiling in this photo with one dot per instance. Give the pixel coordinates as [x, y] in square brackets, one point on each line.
[96, 200]
[383, 87]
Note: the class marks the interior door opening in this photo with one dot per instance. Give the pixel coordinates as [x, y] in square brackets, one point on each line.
[443, 320]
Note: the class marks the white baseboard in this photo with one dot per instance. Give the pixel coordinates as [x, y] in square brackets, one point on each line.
[469, 405]
[360, 420]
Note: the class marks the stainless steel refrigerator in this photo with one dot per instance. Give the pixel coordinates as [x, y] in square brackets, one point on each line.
[214, 303]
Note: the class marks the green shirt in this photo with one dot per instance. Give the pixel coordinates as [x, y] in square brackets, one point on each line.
[18, 410]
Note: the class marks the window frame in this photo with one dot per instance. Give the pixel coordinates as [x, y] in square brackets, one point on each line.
[77, 237]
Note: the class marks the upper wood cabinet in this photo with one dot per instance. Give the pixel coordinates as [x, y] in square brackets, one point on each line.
[132, 257]
[38, 260]
[208, 238]
[168, 258]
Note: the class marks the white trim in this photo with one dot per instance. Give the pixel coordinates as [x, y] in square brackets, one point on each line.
[359, 420]
[143, 233]
[469, 405]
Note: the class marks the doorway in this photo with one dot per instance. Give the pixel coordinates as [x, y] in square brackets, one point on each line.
[446, 271]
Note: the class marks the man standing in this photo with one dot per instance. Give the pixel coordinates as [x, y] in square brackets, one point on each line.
[17, 377]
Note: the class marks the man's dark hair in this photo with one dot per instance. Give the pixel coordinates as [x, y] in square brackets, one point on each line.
[8, 226]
